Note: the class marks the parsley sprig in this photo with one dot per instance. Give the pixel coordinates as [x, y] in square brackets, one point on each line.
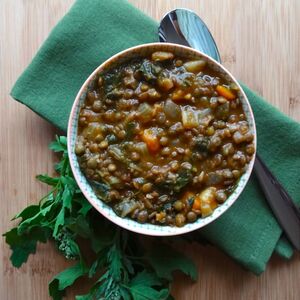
[124, 265]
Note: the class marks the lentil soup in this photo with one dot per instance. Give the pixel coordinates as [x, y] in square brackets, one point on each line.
[163, 139]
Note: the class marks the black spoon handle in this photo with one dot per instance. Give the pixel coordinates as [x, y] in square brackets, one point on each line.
[286, 212]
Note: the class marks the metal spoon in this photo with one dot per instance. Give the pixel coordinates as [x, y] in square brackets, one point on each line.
[183, 26]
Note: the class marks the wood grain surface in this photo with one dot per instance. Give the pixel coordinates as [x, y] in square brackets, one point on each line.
[259, 41]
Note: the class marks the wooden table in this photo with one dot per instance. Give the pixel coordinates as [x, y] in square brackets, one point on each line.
[259, 42]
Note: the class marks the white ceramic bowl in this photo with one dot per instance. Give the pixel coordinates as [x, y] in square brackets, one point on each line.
[104, 209]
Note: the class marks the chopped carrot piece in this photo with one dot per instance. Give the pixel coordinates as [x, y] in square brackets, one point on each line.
[225, 92]
[151, 140]
[197, 203]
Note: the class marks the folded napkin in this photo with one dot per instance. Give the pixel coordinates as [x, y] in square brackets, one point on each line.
[94, 30]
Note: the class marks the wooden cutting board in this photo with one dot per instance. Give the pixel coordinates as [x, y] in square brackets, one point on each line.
[259, 41]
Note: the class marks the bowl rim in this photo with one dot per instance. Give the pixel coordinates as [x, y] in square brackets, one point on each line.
[115, 218]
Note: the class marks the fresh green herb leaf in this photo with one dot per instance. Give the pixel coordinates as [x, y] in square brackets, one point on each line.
[142, 286]
[48, 180]
[60, 219]
[165, 260]
[84, 297]
[28, 212]
[64, 279]
[116, 265]
[124, 293]
[27, 224]
[24, 245]
[85, 207]
[67, 197]
[81, 226]
[97, 264]
[60, 145]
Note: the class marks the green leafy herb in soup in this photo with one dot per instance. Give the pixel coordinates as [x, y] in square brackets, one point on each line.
[163, 139]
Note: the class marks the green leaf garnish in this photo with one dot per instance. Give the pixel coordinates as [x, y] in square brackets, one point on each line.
[119, 268]
[165, 260]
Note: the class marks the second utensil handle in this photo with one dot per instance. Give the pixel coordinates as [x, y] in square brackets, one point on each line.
[286, 212]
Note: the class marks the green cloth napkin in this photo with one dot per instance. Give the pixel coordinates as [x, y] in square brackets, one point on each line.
[94, 30]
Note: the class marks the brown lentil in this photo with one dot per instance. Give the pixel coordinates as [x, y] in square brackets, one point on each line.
[135, 156]
[147, 187]
[92, 163]
[178, 205]
[79, 149]
[191, 216]
[221, 196]
[112, 167]
[103, 145]
[179, 220]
